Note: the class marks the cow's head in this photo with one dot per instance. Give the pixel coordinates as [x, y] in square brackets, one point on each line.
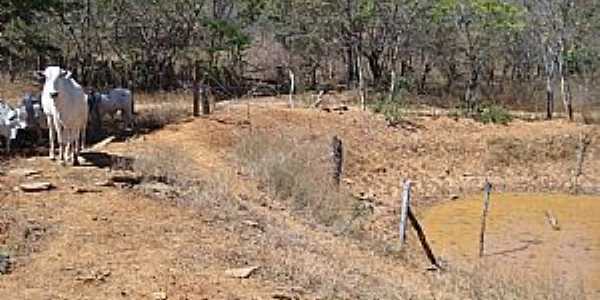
[50, 77]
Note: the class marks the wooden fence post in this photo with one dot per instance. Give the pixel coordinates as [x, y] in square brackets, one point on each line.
[196, 99]
[404, 211]
[337, 153]
[486, 204]
[132, 89]
[584, 142]
[205, 102]
[195, 90]
[407, 213]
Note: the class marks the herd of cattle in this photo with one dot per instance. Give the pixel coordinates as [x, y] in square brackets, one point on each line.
[65, 110]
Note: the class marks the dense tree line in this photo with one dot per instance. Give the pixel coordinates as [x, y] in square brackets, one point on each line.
[517, 51]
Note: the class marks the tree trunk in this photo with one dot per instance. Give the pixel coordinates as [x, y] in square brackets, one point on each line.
[375, 67]
[350, 65]
[564, 84]
[472, 89]
[361, 83]
[423, 82]
[549, 97]
[392, 85]
[292, 88]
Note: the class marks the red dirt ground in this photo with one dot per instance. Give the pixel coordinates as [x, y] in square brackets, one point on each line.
[121, 243]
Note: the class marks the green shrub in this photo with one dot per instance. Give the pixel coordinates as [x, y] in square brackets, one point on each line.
[495, 114]
[393, 110]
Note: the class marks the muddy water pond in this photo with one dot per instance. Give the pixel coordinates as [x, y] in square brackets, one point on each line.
[519, 236]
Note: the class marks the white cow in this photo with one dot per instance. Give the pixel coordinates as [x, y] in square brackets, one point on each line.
[9, 124]
[66, 109]
[118, 99]
[5, 132]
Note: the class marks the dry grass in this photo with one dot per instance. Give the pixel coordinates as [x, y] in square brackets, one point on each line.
[13, 91]
[18, 236]
[154, 111]
[183, 183]
[511, 151]
[590, 113]
[298, 172]
[486, 281]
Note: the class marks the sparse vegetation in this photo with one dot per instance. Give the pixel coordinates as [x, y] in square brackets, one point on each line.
[393, 110]
[590, 113]
[18, 236]
[505, 152]
[299, 173]
[485, 281]
[494, 114]
[184, 183]
[159, 115]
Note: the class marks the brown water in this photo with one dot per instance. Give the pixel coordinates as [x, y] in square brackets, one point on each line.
[519, 236]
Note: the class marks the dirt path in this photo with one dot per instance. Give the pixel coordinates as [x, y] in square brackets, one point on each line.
[117, 243]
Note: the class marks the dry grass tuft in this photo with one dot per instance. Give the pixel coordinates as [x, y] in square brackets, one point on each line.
[298, 172]
[182, 183]
[159, 115]
[513, 151]
[590, 113]
[485, 281]
[19, 236]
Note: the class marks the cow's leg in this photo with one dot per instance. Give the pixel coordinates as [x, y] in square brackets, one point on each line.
[66, 149]
[60, 136]
[128, 116]
[83, 136]
[76, 136]
[51, 130]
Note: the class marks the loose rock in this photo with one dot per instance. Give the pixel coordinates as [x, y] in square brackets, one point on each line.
[241, 272]
[82, 190]
[36, 187]
[104, 183]
[126, 177]
[24, 172]
[4, 264]
[159, 296]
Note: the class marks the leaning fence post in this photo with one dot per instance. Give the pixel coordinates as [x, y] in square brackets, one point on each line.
[486, 204]
[404, 211]
[423, 239]
[337, 153]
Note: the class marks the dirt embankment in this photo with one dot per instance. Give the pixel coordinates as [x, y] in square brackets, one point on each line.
[107, 242]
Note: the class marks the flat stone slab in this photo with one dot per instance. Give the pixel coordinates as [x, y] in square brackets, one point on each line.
[24, 172]
[34, 187]
[241, 272]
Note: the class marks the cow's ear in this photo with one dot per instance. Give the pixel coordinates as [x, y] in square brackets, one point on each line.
[66, 74]
[39, 74]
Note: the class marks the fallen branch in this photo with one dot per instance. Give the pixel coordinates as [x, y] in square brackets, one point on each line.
[102, 143]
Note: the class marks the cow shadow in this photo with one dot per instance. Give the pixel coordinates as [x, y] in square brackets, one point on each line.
[106, 160]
